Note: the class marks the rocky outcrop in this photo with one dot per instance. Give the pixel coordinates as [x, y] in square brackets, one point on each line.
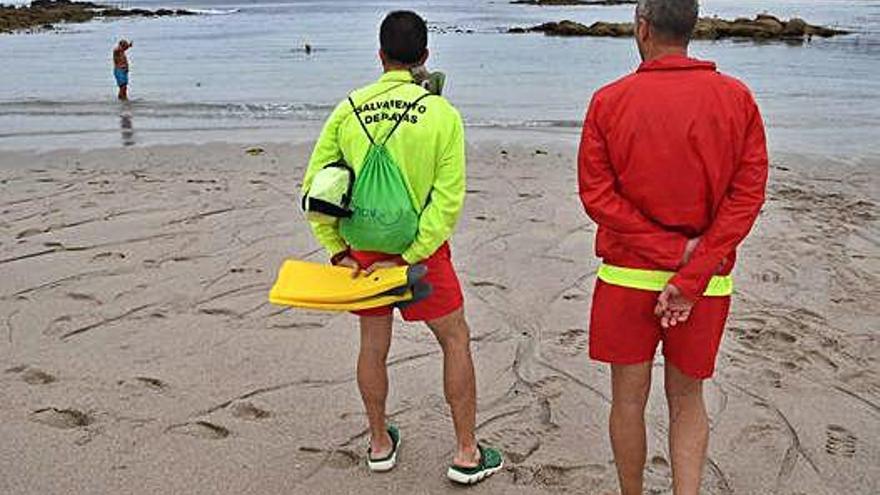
[44, 14]
[571, 28]
[762, 27]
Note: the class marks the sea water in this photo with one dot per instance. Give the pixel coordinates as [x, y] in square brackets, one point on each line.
[240, 71]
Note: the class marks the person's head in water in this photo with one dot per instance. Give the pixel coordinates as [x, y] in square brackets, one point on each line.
[403, 40]
[664, 26]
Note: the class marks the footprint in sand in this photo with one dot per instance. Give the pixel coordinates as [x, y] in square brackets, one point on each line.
[840, 442]
[790, 365]
[657, 475]
[77, 296]
[489, 283]
[153, 383]
[768, 276]
[547, 475]
[336, 459]
[343, 459]
[757, 432]
[29, 232]
[297, 326]
[573, 339]
[549, 387]
[34, 376]
[659, 462]
[219, 312]
[201, 429]
[108, 255]
[784, 337]
[245, 270]
[773, 377]
[517, 444]
[64, 419]
[246, 410]
[58, 325]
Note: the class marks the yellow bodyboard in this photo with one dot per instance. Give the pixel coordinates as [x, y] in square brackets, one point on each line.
[304, 282]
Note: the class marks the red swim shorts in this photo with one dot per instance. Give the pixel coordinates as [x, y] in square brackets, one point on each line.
[624, 330]
[445, 297]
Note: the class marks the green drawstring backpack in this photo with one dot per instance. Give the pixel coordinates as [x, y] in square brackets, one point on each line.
[384, 218]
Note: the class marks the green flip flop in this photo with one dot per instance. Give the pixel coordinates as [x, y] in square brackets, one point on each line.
[491, 462]
[388, 462]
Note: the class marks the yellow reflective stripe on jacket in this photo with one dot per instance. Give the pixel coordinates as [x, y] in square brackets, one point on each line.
[656, 280]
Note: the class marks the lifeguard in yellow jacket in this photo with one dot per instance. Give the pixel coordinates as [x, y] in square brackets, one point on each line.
[422, 134]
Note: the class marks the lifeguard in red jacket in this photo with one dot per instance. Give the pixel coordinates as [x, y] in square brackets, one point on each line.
[672, 167]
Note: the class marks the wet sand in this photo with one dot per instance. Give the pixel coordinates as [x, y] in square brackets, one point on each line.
[139, 354]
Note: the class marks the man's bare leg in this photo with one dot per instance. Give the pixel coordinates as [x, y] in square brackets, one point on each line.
[688, 430]
[459, 383]
[372, 377]
[630, 387]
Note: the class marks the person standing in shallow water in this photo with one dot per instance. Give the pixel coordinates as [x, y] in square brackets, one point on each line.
[120, 68]
[424, 134]
[673, 168]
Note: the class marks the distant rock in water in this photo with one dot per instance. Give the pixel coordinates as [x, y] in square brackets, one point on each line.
[45, 14]
[762, 27]
[574, 2]
[572, 28]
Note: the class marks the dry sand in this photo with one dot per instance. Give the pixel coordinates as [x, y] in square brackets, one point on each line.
[138, 353]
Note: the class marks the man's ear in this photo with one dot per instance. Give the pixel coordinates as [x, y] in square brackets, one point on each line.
[643, 29]
[383, 57]
[424, 57]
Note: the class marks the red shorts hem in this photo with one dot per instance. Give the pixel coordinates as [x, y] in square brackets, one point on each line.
[697, 374]
[624, 361]
[426, 315]
[690, 371]
[446, 295]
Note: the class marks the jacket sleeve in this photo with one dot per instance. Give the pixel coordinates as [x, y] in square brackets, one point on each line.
[439, 217]
[327, 151]
[736, 214]
[611, 210]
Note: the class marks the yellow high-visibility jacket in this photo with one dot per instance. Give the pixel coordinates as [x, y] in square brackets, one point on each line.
[428, 146]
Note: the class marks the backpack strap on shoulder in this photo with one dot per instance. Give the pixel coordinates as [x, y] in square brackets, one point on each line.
[403, 116]
[357, 114]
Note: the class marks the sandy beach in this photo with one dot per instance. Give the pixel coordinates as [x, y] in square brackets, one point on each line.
[139, 353]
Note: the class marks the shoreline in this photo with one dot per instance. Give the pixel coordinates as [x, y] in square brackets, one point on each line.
[305, 133]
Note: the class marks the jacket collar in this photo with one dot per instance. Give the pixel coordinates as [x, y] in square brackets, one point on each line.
[676, 62]
[396, 76]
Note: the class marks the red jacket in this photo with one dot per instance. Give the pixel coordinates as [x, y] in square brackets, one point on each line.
[673, 152]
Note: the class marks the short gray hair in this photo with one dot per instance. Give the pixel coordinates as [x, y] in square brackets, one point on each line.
[673, 18]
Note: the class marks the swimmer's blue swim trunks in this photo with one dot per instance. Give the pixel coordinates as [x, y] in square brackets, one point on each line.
[121, 76]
